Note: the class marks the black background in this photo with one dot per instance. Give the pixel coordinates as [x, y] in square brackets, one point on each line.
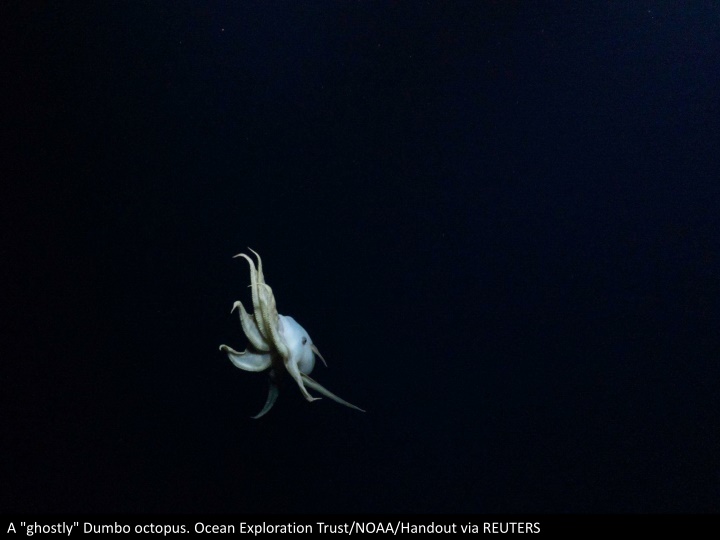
[497, 220]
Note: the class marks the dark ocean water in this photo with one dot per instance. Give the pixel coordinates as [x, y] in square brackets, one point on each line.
[498, 221]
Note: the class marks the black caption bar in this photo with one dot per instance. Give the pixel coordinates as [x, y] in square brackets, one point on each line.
[554, 526]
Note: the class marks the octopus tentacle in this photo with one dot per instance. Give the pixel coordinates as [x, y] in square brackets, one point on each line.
[294, 372]
[247, 360]
[270, 401]
[250, 328]
[271, 319]
[256, 299]
[320, 388]
[261, 278]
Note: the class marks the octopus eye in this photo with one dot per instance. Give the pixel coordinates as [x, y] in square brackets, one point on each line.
[304, 340]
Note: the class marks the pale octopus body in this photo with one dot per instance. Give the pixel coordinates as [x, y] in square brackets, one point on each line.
[277, 343]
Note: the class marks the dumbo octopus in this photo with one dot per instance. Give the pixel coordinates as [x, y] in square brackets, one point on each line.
[277, 343]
